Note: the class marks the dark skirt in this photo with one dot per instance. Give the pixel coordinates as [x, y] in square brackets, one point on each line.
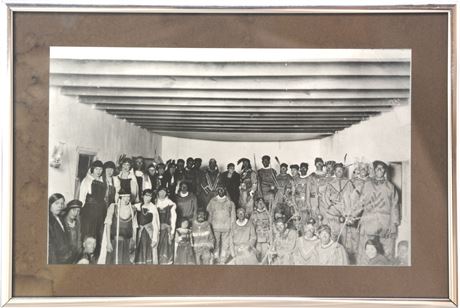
[144, 254]
[123, 252]
[165, 247]
[184, 254]
[92, 221]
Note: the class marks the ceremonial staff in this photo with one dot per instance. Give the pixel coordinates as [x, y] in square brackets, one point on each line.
[118, 231]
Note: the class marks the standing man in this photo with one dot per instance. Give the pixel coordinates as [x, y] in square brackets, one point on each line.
[159, 179]
[381, 213]
[170, 180]
[149, 177]
[316, 188]
[267, 180]
[248, 186]
[301, 193]
[231, 181]
[180, 170]
[337, 202]
[191, 174]
[221, 216]
[284, 192]
[330, 167]
[186, 203]
[209, 182]
[139, 171]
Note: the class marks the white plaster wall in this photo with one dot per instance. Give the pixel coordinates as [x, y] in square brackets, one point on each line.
[225, 152]
[80, 127]
[385, 137]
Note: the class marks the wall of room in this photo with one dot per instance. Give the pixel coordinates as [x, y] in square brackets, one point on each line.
[225, 152]
[81, 128]
[385, 137]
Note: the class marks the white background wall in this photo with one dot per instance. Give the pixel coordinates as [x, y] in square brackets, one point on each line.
[385, 137]
[80, 127]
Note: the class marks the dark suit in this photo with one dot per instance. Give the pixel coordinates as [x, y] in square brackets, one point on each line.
[59, 250]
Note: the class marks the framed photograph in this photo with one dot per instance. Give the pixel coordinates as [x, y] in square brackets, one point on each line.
[233, 156]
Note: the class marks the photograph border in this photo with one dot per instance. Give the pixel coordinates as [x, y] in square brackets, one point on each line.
[8, 8]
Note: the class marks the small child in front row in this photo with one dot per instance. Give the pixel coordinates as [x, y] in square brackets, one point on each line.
[184, 251]
[203, 239]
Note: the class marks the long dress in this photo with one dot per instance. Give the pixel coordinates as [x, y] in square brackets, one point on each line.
[243, 241]
[126, 232]
[94, 211]
[184, 251]
[148, 223]
[167, 215]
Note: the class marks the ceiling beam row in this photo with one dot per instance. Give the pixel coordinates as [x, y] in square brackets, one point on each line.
[124, 92]
[242, 83]
[253, 69]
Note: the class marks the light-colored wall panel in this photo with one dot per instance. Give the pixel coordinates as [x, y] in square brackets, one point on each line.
[80, 127]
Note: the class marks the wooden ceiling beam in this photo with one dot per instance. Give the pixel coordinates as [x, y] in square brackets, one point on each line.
[244, 83]
[235, 94]
[168, 68]
[223, 110]
[248, 122]
[240, 102]
[241, 129]
[242, 125]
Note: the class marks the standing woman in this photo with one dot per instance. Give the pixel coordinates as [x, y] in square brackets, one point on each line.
[128, 181]
[167, 212]
[59, 250]
[120, 230]
[92, 194]
[148, 230]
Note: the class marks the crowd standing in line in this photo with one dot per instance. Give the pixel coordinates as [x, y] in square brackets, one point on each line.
[180, 213]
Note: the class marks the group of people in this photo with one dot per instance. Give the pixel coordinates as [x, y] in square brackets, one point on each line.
[181, 213]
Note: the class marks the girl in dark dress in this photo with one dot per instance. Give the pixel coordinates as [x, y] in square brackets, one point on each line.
[92, 193]
[167, 213]
[148, 230]
[127, 181]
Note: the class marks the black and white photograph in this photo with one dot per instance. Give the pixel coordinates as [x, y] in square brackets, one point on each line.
[227, 156]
